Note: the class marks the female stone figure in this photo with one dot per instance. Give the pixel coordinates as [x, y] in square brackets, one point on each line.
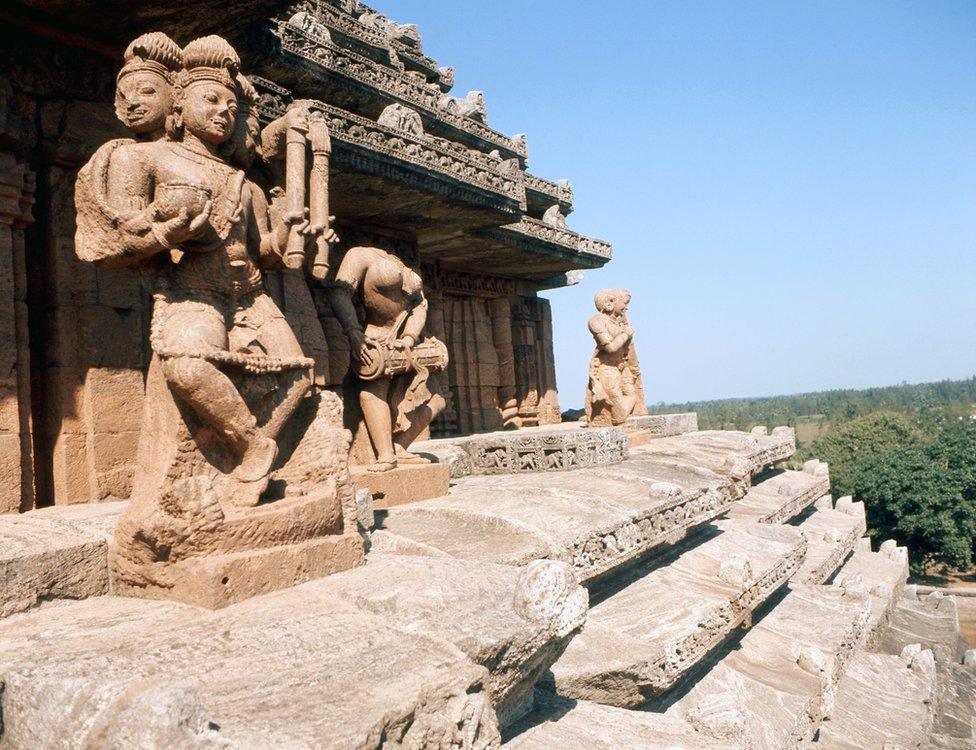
[396, 402]
[614, 391]
[180, 199]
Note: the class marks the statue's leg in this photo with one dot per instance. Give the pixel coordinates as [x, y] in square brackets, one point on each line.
[418, 420]
[195, 327]
[628, 400]
[373, 401]
[261, 326]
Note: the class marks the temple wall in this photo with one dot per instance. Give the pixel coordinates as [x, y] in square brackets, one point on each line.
[75, 338]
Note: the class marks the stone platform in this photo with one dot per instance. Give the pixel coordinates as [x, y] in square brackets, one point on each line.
[832, 532]
[783, 494]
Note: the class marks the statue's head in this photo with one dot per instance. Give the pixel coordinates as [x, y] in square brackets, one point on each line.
[245, 146]
[206, 104]
[144, 86]
[612, 301]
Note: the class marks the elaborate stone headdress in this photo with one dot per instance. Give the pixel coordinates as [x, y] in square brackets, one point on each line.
[210, 58]
[153, 52]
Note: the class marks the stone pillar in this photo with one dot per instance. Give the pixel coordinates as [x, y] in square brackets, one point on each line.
[526, 362]
[447, 421]
[16, 438]
[549, 412]
[501, 327]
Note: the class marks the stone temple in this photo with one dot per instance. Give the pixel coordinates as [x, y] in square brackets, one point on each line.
[282, 456]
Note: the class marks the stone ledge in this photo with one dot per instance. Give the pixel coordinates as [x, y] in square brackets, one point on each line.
[780, 497]
[408, 483]
[55, 553]
[774, 688]
[401, 649]
[832, 534]
[594, 519]
[881, 575]
[646, 636]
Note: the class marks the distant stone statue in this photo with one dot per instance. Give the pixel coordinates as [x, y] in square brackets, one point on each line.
[390, 359]
[227, 373]
[615, 388]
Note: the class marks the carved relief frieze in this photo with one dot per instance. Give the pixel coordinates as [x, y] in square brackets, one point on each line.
[424, 97]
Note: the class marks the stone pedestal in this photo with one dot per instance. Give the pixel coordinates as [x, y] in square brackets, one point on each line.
[404, 484]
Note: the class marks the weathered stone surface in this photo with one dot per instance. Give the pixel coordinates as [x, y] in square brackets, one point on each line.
[55, 553]
[781, 496]
[294, 669]
[404, 484]
[955, 708]
[514, 622]
[596, 526]
[737, 455]
[773, 688]
[832, 535]
[882, 701]
[882, 575]
[642, 639]
[562, 723]
[931, 620]
[663, 425]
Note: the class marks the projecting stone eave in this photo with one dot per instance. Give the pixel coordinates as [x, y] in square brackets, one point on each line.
[407, 180]
[311, 62]
[528, 249]
[541, 194]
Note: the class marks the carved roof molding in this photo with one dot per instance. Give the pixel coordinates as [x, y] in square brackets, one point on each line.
[455, 162]
[530, 233]
[334, 60]
[560, 191]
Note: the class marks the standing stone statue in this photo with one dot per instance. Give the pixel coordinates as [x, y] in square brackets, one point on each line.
[615, 389]
[228, 377]
[390, 359]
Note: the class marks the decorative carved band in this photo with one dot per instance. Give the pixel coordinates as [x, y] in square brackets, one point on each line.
[335, 60]
[529, 228]
[561, 191]
[558, 450]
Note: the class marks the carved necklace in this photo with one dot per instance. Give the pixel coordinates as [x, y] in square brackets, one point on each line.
[231, 183]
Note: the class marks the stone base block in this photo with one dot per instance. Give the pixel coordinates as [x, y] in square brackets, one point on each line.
[637, 438]
[55, 553]
[215, 581]
[404, 484]
[663, 425]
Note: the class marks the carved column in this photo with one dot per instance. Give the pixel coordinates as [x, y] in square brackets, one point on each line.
[447, 421]
[548, 397]
[16, 449]
[501, 326]
[526, 362]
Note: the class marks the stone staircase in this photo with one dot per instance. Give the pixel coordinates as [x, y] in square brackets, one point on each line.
[731, 605]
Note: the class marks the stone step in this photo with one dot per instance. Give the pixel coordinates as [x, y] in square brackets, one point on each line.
[783, 494]
[401, 651]
[595, 519]
[645, 636]
[955, 715]
[832, 532]
[516, 623]
[560, 723]
[737, 455]
[881, 575]
[773, 687]
[882, 701]
[932, 620]
[55, 553]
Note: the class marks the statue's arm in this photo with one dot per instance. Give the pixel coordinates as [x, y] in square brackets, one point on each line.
[413, 326]
[606, 342]
[129, 189]
[349, 279]
[260, 234]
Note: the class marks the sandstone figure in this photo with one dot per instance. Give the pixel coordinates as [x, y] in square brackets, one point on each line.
[227, 373]
[615, 390]
[391, 360]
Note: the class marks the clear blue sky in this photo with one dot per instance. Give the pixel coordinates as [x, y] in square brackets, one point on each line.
[790, 187]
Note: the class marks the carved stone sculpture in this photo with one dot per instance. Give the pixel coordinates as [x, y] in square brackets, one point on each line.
[228, 420]
[615, 390]
[391, 361]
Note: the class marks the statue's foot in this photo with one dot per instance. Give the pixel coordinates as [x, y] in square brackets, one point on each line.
[381, 466]
[406, 457]
[256, 463]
